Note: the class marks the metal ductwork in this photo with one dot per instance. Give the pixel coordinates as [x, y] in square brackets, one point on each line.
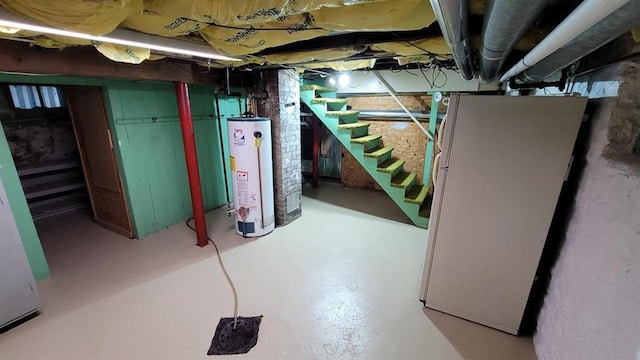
[453, 18]
[505, 22]
[613, 26]
[588, 14]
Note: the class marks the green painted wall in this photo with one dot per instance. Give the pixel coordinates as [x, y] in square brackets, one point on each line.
[21, 212]
[229, 107]
[146, 127]
[150, 154]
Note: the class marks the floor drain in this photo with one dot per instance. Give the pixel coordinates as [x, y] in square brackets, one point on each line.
[228, 341]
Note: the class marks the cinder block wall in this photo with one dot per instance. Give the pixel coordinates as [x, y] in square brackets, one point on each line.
[283, 108]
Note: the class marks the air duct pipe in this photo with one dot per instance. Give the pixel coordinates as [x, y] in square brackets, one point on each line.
[587, 14]
[610, 28]
[504, 24]
[453, 18]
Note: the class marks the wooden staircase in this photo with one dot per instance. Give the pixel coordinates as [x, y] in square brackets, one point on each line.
[367, 149]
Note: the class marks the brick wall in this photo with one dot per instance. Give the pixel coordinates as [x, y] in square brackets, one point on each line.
[283, 108]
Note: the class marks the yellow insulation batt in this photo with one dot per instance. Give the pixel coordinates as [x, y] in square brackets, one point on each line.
[347, 65]
[152, 23]
[50, 43]
[394, 15]
[254, 38]
[313, 55]
[6, 32]
[88, 16]
[435, 45]
[404, 60]
[241, 12]
[246, 60]
[121, 53]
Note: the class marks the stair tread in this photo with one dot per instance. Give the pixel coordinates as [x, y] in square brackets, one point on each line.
[329, 101]
[317, 88]
[342, 113]
[417, 194]
[354, 125]
[377, 152]
[365, 139]
[391, 165]
[403, 179]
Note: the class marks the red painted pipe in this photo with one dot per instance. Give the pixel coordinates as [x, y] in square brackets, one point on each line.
[316, 153]
[191, 156]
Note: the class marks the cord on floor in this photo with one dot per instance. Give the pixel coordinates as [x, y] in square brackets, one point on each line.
[226, 275]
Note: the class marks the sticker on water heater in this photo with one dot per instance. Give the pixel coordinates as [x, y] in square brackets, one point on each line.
[238, 137]
[243, 175]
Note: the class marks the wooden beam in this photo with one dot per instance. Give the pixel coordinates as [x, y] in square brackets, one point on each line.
[79, 61]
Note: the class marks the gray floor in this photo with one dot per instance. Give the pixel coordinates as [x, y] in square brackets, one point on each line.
[339, 283]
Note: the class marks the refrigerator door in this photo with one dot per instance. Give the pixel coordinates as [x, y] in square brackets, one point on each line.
[507, 157]
[18, 292]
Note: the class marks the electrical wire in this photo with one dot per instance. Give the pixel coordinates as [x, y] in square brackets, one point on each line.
[264, 29]
[424, 51]
[226, 275]
[435, 74]
[425, 76]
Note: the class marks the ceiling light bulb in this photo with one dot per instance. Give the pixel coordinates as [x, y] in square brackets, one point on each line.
[343, 80]
[332, 81]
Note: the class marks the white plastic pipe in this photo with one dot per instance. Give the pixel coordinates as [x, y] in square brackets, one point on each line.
[587, 14]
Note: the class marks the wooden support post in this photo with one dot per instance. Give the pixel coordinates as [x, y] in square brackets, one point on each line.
[315, 175]
[428, 158]
[190, 153]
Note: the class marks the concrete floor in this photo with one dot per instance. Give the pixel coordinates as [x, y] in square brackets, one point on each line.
[335, 284]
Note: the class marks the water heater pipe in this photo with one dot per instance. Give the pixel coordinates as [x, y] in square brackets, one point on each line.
[258, 139]
[190, 153]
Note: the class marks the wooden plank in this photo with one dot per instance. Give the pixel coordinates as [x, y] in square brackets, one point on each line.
[182, 184]
[200, 130]
[153, 155]
[162, 204]
[87, 62]
[135, 163]
[167, 207]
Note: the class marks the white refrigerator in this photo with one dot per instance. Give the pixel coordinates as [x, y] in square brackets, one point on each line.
[18, 291]
[503, 163]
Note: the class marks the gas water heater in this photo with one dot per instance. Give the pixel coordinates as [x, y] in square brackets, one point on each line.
[252, 174]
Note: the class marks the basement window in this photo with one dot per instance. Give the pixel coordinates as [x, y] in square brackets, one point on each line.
[28, 97]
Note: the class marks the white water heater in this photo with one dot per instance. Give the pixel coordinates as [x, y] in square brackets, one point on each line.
[252, 174]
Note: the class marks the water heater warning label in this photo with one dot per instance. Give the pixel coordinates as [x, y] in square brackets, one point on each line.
[243, 175]
[232, 163]
[238, 137]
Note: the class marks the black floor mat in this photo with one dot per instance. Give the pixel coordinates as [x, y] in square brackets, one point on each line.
[229, 341]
